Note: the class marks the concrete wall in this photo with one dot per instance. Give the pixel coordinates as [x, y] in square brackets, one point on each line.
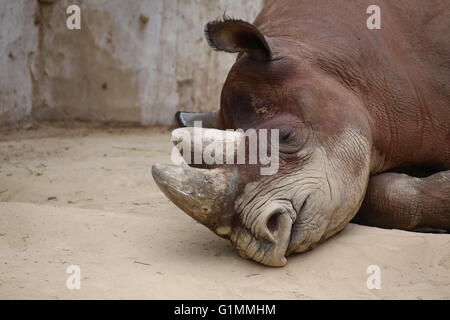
[18, 49]
[132, 61]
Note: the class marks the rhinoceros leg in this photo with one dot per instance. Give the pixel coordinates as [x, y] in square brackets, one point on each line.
[208, 119]
[400, 201]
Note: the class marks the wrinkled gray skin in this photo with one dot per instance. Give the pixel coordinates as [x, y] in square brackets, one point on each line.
[354, 108]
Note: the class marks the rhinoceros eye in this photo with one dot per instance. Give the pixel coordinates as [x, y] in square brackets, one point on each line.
[289, 140]
[287, 134]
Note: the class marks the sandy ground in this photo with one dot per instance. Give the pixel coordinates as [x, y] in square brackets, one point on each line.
[85, 197]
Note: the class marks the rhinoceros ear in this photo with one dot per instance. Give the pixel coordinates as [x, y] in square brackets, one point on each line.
[232, 35]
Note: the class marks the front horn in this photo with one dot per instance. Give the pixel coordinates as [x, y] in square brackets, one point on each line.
[206, 195]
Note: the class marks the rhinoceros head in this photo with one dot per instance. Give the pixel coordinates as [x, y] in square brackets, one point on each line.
[323, 155]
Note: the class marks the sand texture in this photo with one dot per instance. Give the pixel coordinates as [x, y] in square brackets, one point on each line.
[85, 197]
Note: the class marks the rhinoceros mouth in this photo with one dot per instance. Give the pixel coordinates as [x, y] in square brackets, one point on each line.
[267, 252]
[266, 238]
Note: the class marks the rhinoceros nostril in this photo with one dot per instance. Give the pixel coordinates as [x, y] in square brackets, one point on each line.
[272, 222]
[206, 209]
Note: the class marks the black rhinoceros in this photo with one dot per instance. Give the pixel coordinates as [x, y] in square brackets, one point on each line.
[363, 118]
